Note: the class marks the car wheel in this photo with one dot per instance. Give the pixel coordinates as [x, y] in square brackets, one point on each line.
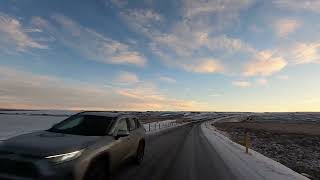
[98, 171]
[139, 154]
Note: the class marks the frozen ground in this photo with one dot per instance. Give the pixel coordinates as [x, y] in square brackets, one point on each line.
[39, 112]
[293, 117]
[294, 143]
[13, 123]
[247, 166]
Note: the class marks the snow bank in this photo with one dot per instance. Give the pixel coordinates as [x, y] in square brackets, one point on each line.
[250, 166]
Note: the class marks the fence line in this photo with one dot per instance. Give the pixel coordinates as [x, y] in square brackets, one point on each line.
[158, 125]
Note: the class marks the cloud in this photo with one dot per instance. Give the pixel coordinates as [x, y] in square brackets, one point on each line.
[242, 84]
[193, 8]
[221, 14]
[143, 16]
[183, 43]
[282, 77]
[154, 100]
[21, 89]
[119, 3]
[303, 53]
[284, 27]
[14, 36]
[262, 82]
[204, 66]
[256, 29]
[167, 79]
[90, 43]
[215, 95]
[127, 77]
[226, 43]
[265, 65]
[298, 5]
[142, 20]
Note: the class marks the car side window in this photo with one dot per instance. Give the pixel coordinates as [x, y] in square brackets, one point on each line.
[137, 122]
[122, 125]
[132, 124]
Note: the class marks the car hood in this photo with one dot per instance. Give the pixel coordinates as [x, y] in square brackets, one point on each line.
[44, 143]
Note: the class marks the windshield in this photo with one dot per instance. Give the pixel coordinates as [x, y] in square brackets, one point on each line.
[86, 125]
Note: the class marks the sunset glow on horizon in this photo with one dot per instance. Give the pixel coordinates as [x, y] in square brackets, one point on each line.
[189, 55]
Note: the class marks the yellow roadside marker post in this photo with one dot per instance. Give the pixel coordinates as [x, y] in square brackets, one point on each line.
[247, 140]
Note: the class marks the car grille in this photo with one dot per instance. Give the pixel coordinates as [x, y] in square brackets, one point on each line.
[18, 168]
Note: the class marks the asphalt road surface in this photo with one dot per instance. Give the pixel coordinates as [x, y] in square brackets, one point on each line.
[180, 154]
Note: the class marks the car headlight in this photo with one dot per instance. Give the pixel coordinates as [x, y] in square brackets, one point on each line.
[60, 158]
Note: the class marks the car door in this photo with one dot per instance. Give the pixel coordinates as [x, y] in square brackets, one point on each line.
[121, 147]
[134, 136]
[140, 129]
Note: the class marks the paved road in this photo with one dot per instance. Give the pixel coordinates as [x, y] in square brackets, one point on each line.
[181, 154]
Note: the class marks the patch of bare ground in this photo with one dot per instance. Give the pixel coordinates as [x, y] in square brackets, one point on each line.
[296, 146]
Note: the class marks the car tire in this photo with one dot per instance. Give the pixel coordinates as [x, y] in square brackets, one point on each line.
[139, 154]
[98, 171]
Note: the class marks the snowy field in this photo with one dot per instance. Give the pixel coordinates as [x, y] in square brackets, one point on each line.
[250, 166]
[13, 123]
[294, 117]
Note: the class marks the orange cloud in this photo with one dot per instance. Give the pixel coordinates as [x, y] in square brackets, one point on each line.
[241, 83]
[266, 65]
[303, 53]
[20, 89]
[284, 27]
[262, 82]
[204, 66]
[127, 77]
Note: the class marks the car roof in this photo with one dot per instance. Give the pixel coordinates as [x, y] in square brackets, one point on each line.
[107, 114]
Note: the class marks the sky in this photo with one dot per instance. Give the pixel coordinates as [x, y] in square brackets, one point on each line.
[190, 55]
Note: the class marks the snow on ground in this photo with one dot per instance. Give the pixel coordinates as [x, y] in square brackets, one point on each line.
[293, 117]
[13, 123]
[39, 112]
[250, 166]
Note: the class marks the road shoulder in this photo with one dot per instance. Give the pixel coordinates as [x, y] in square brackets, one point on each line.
[247, 166]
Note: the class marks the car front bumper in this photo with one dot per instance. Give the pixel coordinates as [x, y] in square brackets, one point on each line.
[17, 167]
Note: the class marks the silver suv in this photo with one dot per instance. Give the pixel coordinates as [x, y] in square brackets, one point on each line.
[85, 146]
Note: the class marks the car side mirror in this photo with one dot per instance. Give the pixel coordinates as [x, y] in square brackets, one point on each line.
[121, 133]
